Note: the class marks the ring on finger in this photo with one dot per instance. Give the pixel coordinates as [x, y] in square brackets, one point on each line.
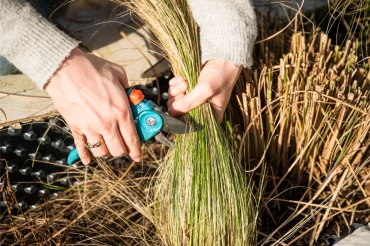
[96, 145]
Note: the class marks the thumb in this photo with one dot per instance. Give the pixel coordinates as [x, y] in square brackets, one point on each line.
[199, 95]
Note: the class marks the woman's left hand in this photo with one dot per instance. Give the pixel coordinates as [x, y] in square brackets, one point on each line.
[215, 84]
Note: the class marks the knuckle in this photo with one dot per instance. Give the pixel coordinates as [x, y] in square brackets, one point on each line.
[132, 139]
[135, 142]
[107, 65]
[122, 70]
[103, 123]
[108, 137]
[176, 89]
[118, 153]
[170, 92]
[105, 127]
[174, 80]
[123, 115]
[119, 68]
[183, 86]
[126, 124]
[101, 152]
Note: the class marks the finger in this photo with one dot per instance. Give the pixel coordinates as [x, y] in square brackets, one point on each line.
[93, 139]
[114, 142]
[200, 94]
[176, 80]
[131, 139]
[80, 142]
[173, 99]
[177, 89]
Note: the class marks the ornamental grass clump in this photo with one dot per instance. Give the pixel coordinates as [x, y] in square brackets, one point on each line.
[306, 114]
[201, 196]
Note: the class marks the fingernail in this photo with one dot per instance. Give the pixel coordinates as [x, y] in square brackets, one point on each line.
[85, 161]
[137, 159]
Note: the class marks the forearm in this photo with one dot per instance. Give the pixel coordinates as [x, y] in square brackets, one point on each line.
[30, 42]
[227, 29]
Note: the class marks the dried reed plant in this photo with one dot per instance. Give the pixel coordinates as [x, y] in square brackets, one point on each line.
[307, 116]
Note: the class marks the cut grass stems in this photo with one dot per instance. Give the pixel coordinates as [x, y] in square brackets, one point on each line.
[308, 117]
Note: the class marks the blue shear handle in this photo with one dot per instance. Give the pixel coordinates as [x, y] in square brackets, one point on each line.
[73, 156]
[149, 122]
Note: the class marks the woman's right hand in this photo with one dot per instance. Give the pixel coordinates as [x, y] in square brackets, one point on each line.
[89, 93]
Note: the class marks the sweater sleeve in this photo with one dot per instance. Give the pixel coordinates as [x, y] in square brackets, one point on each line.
[227, 29]
[30, 42]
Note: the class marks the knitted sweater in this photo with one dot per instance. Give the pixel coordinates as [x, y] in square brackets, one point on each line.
[37, 48]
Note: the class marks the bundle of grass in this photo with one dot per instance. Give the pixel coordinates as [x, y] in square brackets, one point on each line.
[308, 118]
[202, 196]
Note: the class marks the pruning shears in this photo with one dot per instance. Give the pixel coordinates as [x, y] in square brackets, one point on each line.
[149, 120]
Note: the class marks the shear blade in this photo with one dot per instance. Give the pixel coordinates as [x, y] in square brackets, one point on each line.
[163, 140]
[175, 126]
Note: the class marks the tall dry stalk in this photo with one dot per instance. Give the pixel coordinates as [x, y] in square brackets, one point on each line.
[202, 197]
[307, 115]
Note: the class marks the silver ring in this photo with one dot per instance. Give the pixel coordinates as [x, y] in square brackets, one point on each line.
[96, 145]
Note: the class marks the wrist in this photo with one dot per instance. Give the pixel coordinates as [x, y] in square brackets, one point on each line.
[61, 69]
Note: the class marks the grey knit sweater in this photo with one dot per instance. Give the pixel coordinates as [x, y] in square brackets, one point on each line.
[37, 48]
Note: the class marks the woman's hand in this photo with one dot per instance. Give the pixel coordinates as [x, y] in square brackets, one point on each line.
[215, 84]
[89, 93]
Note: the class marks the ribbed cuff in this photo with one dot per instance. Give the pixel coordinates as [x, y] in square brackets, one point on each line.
[228, 29]
[42, 51]
[233, 43]
[30, 42]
